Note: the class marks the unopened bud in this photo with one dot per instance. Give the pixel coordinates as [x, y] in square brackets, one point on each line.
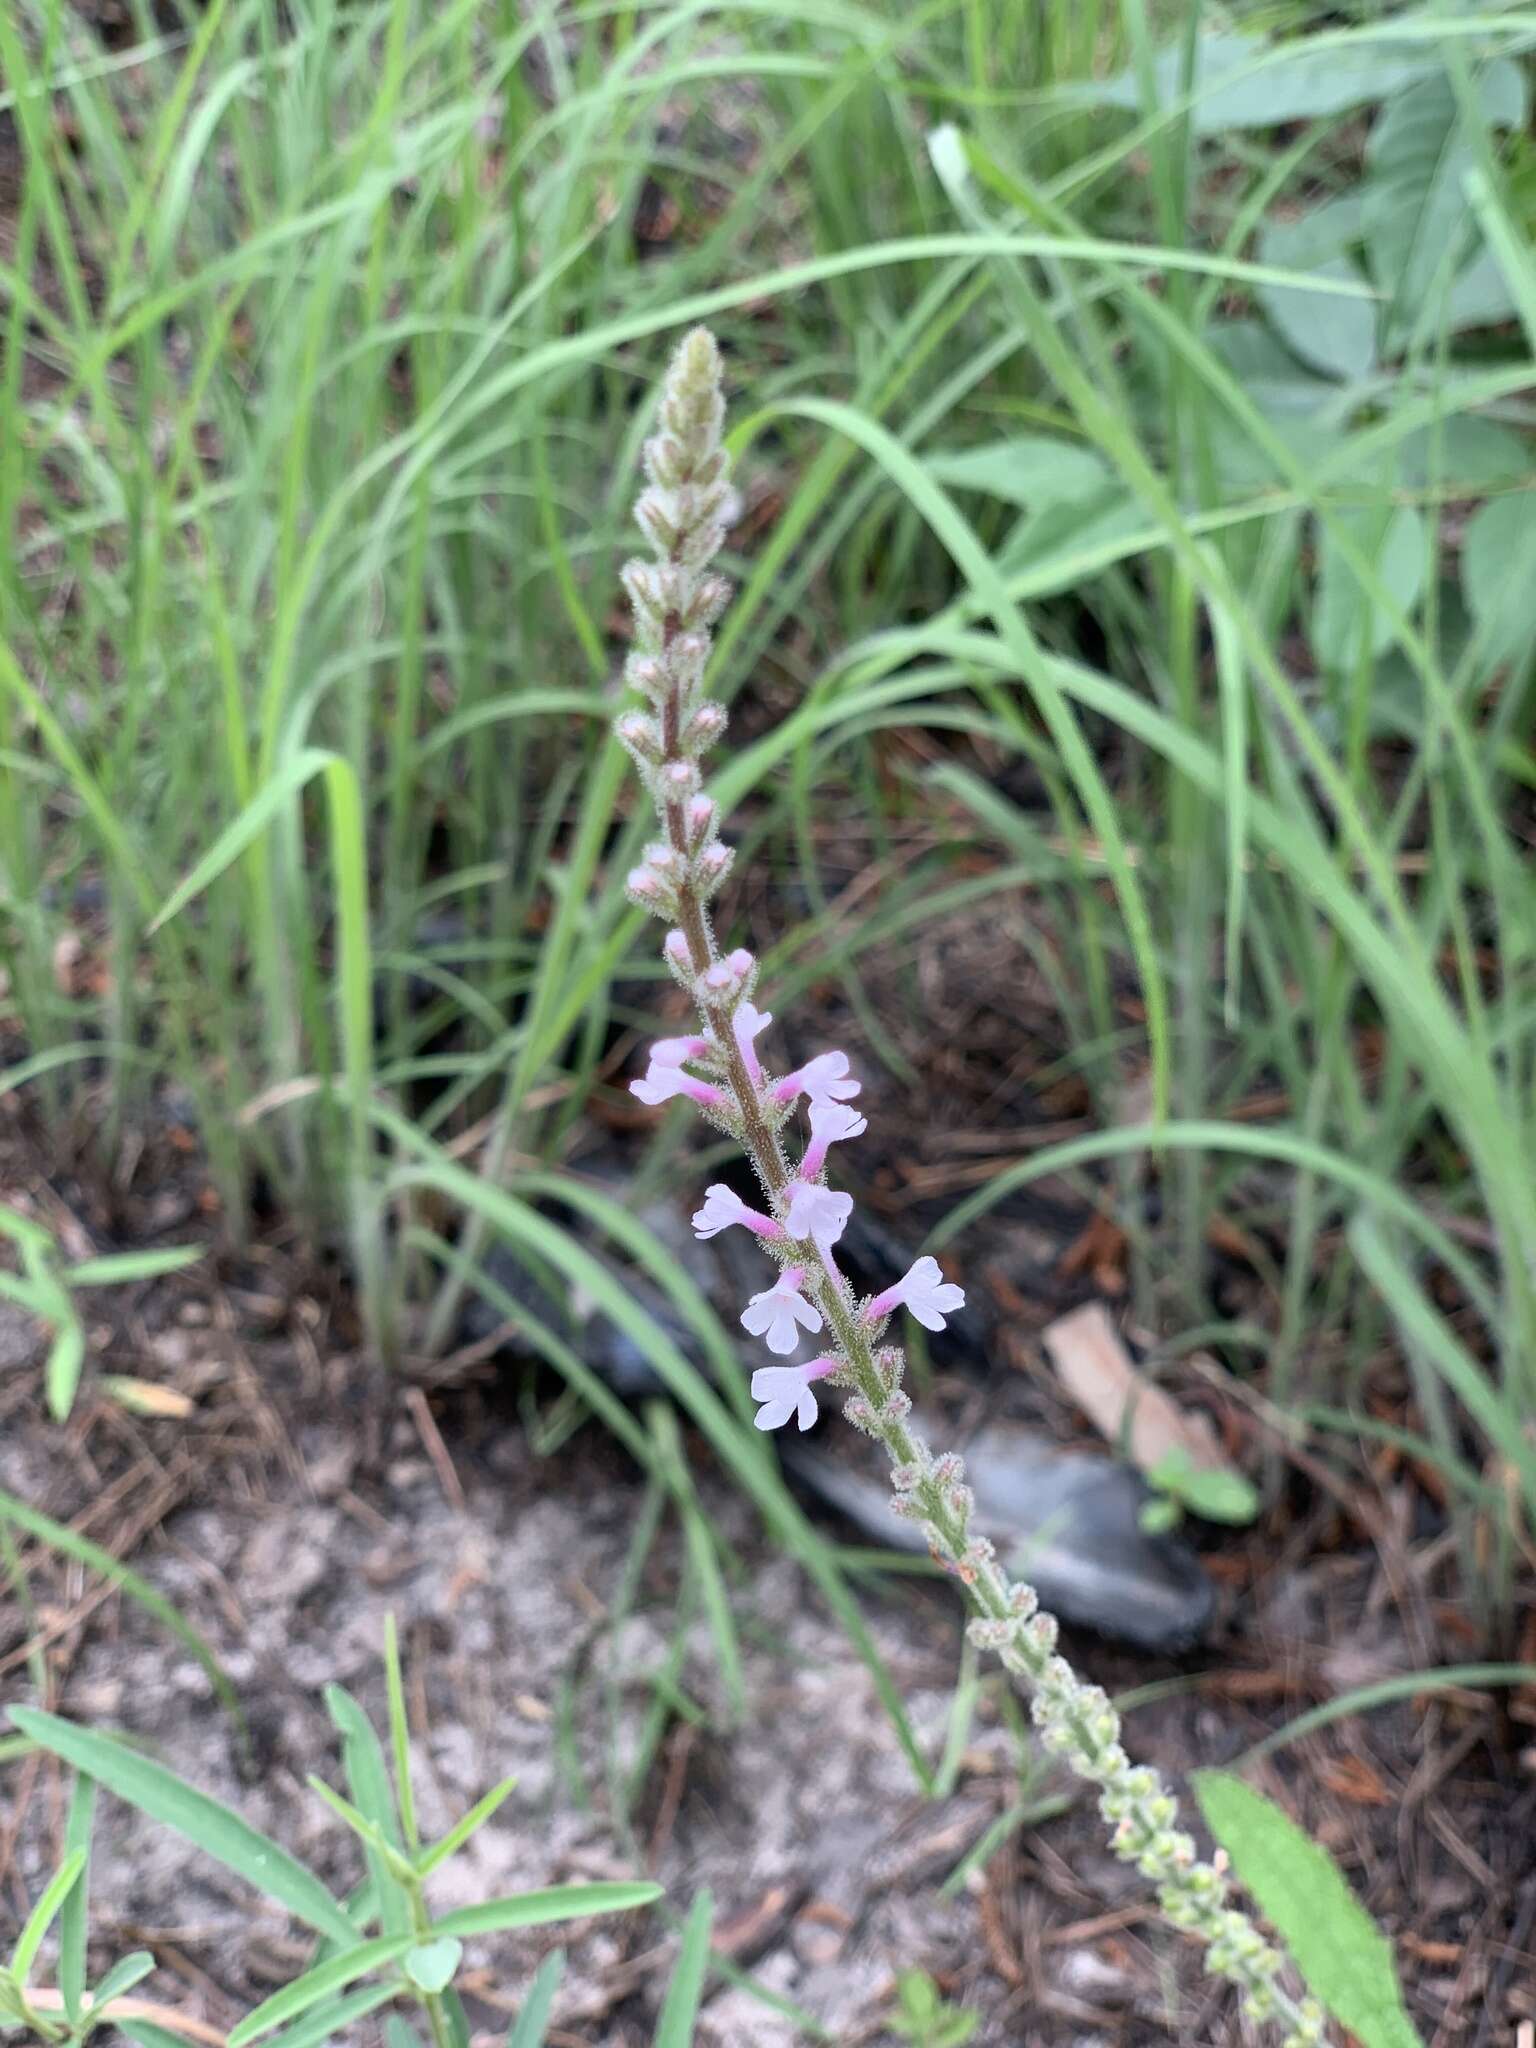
[643, 672]
[705, 727]
[700, 817]
[709, 599]
[638, 735]
[679, 780]
[712, 867]
[675, 948]
[690, 650]
[645, 887]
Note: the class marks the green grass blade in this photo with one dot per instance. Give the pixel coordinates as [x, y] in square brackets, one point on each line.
[205, 1823]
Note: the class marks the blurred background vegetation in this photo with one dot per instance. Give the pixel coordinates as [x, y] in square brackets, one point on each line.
[1132, 411]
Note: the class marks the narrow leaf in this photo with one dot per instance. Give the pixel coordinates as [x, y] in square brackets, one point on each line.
[333, 1975]
[537, 1909]
[208, 1825]
[680, 2009]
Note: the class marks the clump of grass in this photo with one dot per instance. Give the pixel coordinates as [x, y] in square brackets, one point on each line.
[1173, 468]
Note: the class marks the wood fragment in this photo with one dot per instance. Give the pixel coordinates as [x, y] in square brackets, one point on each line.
[1127, 1409]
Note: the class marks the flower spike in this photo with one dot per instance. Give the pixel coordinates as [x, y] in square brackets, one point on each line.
[675, 598]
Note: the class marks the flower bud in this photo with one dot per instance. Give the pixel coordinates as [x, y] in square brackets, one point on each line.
[699, 819]
[704, 727]
[651, 891]
[711, 868]
[643, 672]
[639, 737]
[675, 950]
[678, 781]
[706, 602]
[654, 516]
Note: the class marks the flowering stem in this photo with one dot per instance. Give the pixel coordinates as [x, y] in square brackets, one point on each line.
[675, 600]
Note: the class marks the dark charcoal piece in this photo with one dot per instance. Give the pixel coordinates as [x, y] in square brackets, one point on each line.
[1066, 1522]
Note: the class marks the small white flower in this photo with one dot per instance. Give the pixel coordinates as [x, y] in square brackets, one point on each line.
[825, 1079]
[662, 1082]
[672, 1052]
[831, 1122]
[723, 1207]
[924, 1291]
[816, 1213]
[785, 1390]
[746, 1025]
[780, 1313]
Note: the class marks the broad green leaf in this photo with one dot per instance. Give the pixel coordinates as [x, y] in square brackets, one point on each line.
[1345, 622]
[327, 1978]
[1271, 374]
[1157, 1517]
[1418, 227]
[1344, 1957]
[1480, 296]
[527, 2029]
[1031, 470]
[431, 1964]
[1498, 572]
[680, 2008]
[1240, 81]
[1217, 1495]
[204, 1822]
[1332, 334]
[537, 1909]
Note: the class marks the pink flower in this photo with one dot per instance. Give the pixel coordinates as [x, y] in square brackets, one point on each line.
[925, 1292]
[824, 1079]
[675, 947]
[746, 1025]
[830, 1122]
[785, 1390]
[781, 1312]
[672, 1052]
[817, 1213]
[664, 1080]
[722, 1207]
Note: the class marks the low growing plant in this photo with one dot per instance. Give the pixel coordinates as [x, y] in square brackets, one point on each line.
[47, 1285]
[676, 599]
[381, 1946]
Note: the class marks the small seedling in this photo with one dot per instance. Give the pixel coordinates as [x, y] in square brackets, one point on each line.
[45, 1288]
[926, 2017]
[1183, 1487]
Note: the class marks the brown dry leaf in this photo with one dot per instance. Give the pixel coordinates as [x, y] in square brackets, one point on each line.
[147, 1397]
[1095, 1368]
[1099, 1250]
[1353, 1780]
